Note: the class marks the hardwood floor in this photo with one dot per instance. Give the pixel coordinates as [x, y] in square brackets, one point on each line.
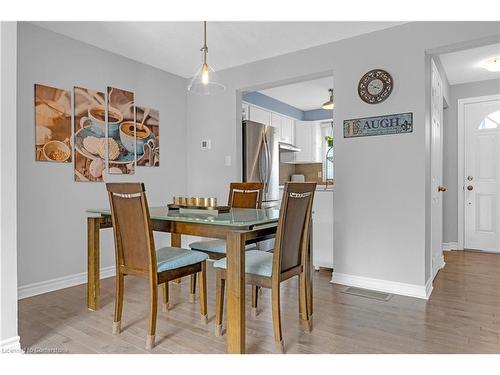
[462, 316]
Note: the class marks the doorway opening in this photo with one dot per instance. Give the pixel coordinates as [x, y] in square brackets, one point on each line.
[470, 152]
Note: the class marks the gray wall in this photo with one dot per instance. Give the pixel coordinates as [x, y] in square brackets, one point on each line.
[382, 182]
[450, 150]
[51, 209]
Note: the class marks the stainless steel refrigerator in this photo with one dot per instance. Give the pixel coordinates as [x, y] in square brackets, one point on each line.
[261, 159]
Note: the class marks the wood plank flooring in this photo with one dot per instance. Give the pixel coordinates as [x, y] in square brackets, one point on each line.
[462, 316]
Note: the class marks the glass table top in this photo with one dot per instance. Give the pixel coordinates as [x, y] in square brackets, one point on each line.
[237, 217]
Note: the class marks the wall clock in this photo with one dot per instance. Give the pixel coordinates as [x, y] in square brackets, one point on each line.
[375, 86]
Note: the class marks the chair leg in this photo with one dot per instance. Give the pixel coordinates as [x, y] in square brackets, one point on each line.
[255, 300]
[219, 303]
[153, 306]
[166, 304]
[118, 303]
[278, 337]
[203, 292]
[303, 308]
[192, 290]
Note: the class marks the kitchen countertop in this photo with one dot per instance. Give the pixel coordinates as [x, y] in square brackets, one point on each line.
[320, 187]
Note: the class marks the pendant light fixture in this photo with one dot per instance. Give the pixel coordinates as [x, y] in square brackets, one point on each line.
[205, 80]
[329, 103]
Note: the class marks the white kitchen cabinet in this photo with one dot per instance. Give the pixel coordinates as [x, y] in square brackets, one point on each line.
[245, 111]
[259, 115]
[322, 247]
[286, 126]
[308, 139]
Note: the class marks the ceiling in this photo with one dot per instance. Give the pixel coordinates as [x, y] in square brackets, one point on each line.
[175, 46]
[465, 66]
[303, 95]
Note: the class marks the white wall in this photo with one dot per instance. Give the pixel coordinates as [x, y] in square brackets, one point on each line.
[9, 339]
[380, 196]
[450, 201]
[52, 240]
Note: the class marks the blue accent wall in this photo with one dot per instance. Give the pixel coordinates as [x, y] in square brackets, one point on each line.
[264, 101]
[318, 114]
[272, 104]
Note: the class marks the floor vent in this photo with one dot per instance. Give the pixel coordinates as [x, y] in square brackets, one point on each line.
[381, 296]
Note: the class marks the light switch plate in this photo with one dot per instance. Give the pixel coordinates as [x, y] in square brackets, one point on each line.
[206, 144]
[227, 160]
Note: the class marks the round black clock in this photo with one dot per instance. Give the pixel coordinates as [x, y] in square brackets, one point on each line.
[375, 86]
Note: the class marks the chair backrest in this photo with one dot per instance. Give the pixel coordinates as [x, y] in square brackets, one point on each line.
[134, 243]
[292, 235]
[245, 194]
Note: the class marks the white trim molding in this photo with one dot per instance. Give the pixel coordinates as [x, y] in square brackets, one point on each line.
[394, 287]
[42, 287]
[449, 246]
[11, 345]
[461, 161]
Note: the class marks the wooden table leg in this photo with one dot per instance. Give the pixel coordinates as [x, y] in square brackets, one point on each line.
[235, 287]
[93, 277]
[175, 241]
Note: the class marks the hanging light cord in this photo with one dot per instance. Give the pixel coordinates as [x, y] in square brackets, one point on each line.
[204, 49]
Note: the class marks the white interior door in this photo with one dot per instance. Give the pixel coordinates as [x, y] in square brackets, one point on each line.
[436, 172]
[482, 174]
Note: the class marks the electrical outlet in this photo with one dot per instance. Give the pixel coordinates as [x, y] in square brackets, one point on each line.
[319, 174]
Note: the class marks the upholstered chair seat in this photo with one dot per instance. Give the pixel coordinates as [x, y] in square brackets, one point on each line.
[169, 258]
[256, 263]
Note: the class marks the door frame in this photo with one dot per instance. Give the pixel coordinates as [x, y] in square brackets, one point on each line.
[461, 160]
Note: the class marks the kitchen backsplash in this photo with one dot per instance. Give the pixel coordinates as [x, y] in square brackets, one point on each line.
[313, 172]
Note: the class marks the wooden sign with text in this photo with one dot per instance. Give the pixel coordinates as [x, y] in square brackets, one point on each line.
[379, 125]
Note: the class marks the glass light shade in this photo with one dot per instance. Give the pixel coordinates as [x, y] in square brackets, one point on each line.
[206, 81]
[327, 105]
[492, 65]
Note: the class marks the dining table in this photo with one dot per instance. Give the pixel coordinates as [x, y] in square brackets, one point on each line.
[238, 226]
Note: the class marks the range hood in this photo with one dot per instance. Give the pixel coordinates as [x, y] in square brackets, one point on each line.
[288, 147]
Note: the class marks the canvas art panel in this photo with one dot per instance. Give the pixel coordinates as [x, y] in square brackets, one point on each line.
[121, 144]
[148, 136]
[89, 135]
[52, 124]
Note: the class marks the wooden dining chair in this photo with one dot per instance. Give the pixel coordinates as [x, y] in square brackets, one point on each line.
[289, 259]
[241, 195]
[136, 255]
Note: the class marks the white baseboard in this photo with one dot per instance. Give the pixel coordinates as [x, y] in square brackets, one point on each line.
[448, 246]
[10, 345]
[410, 290]
[41, 287]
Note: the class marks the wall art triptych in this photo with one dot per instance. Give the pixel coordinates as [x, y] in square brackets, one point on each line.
[110, 134]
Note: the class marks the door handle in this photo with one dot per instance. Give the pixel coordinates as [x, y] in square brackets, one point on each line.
[470, 187]
[441, 189]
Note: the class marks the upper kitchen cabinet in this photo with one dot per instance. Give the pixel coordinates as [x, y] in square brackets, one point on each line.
[308, 139]
[286, 126]
[260, 115]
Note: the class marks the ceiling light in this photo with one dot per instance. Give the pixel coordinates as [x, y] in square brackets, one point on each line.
[492, 65]
[329, 103]
[205, 81]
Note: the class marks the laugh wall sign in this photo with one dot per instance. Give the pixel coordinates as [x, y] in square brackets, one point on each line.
[379, 125]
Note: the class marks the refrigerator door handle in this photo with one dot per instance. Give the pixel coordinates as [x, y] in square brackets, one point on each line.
[268, 168]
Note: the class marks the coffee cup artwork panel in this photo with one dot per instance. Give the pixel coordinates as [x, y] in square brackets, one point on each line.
[89, 120]
[148, 127]
[121, 115]
[52, 124]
